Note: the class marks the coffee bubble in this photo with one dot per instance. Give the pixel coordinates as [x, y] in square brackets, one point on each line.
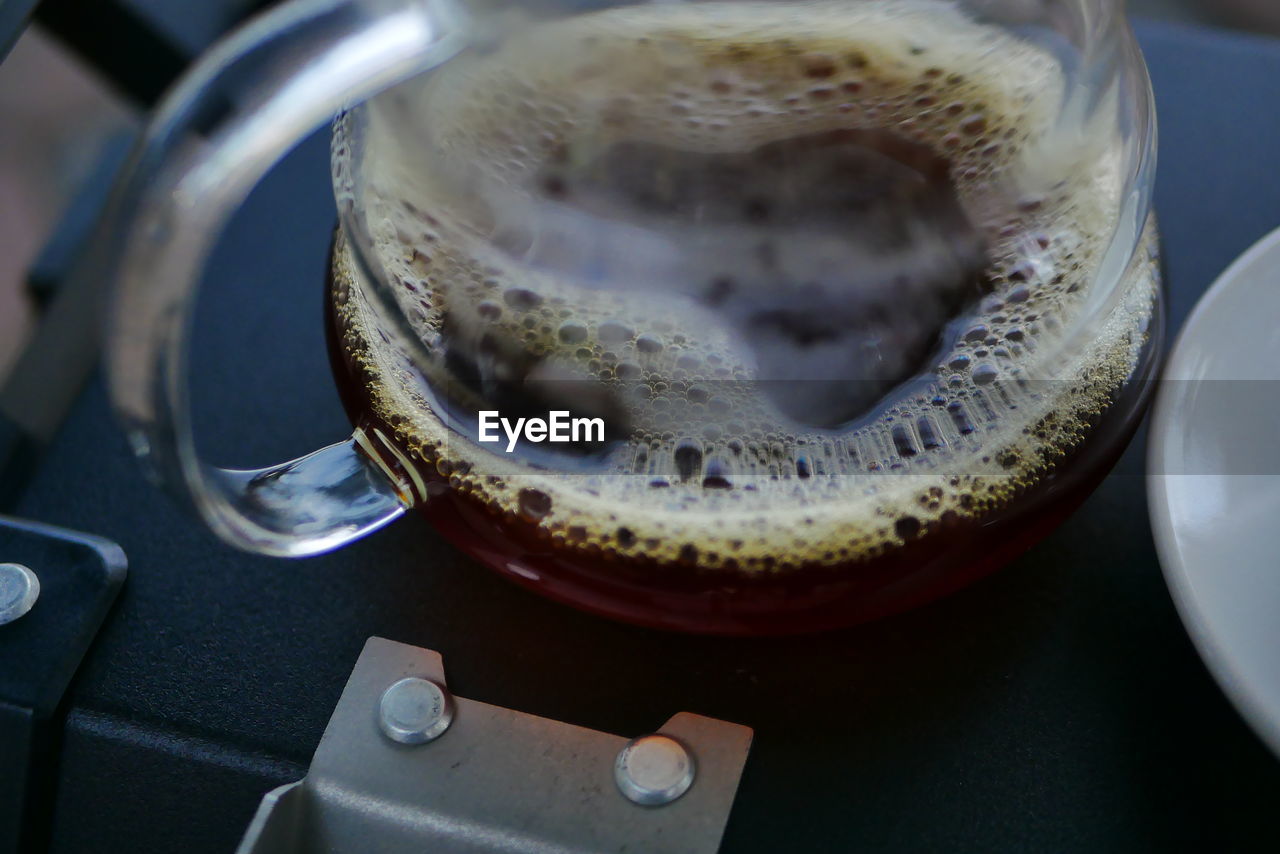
[644, 214]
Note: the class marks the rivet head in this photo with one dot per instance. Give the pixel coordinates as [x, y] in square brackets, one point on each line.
[654, 770]
[415, 711]
[19, 590]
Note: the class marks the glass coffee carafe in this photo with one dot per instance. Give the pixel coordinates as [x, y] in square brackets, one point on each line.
[730, 317]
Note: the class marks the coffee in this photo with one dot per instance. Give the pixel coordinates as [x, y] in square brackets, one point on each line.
[820, 277]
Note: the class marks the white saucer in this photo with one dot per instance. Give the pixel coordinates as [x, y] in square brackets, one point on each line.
[1214, 482]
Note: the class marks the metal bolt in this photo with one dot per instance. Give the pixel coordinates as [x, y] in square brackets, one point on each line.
[415, 711]
[19, 590]
[654, 770]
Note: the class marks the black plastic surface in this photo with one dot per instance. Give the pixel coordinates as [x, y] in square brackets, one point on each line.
[1055, 707]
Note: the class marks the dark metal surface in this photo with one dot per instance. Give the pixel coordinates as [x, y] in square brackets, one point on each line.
[18, 452]
[80, 576]
[1055, 707]
[17, 726]
[135, 58]
[40, 389]
[14, 15]
[139, 47]
[74, 229]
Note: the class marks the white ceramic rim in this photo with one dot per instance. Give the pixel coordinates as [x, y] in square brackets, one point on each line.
[1216, 653]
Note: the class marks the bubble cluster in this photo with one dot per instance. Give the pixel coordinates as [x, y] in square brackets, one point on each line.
[710, 472]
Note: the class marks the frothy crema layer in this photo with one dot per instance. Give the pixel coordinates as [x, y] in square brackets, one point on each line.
[710, 472]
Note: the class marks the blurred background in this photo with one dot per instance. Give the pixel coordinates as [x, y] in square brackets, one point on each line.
[66, 127]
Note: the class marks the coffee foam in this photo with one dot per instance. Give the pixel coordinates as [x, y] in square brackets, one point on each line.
[1004, 404]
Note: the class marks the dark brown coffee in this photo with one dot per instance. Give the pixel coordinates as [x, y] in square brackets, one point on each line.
[831, 284]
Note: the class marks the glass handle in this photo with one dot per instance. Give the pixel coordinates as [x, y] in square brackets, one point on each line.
[243, 105]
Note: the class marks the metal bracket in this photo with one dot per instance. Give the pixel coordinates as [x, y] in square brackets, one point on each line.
[67, 581]
[482, 778]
